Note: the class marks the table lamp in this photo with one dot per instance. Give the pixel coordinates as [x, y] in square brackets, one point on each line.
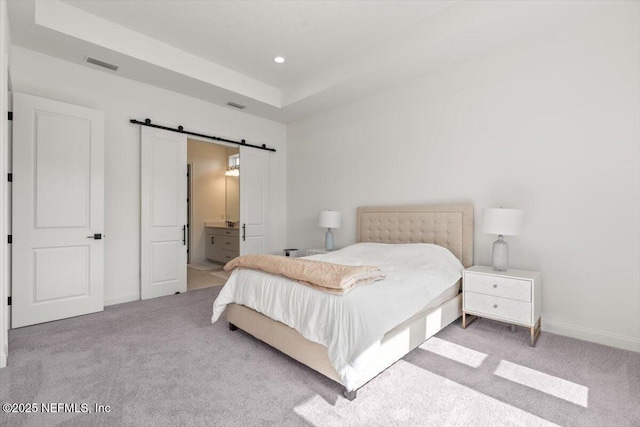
[329, 220]
[503, 222]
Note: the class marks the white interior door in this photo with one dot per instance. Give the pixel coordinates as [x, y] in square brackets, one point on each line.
[163, 236]
[58, 210]
[254, 195]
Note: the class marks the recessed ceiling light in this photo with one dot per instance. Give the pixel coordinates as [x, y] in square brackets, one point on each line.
[278, 59]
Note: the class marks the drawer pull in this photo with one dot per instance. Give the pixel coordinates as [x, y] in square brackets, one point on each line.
[495, 305]
[495, 286]
[227, 243]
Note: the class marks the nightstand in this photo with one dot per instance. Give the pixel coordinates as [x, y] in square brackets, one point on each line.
[316, 251]
[512, 296]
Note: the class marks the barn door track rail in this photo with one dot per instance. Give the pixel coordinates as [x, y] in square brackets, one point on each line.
[180, 129]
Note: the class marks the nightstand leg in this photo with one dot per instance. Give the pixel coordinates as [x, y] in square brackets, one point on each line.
[535, 333]
[466, 322]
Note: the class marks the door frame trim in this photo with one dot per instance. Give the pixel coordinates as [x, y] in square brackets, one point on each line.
[189, 206]
[5, 192]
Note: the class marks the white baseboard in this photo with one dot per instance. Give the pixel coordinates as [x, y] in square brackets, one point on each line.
[585, 334]
[120, 299]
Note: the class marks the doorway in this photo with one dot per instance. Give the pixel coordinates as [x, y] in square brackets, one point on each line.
[213, 206]
[163, 226]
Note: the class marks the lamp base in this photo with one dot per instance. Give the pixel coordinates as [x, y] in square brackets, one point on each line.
[500, 255]
[328, 240]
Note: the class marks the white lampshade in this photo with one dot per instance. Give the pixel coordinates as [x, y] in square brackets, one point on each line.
[329, 219]
[507, 222]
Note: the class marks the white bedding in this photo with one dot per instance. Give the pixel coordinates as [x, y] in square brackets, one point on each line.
[352, 325]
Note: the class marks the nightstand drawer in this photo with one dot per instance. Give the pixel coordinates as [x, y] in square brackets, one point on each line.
[502, 308]
[504, 287]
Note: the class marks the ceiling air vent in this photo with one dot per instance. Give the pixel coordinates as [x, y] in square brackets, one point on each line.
[102, 64]
[238, 106]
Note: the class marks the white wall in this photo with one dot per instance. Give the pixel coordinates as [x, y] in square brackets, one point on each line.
[209, 163]
[551, 127]
[5, 48]
[122, 99]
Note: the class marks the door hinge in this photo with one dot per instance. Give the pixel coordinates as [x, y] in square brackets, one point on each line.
[8, 300]
[10, 115]
[10, 177]
[9, 238]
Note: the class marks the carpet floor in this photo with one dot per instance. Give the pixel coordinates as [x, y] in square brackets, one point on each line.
[161, 362]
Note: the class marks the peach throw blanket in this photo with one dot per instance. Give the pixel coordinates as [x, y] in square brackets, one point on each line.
[325, 276]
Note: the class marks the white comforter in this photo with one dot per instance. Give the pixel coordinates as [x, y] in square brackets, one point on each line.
[352, 325]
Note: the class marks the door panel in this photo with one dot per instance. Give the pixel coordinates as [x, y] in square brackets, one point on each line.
[58, 189]
[166, 183]
[53, 282]
[165, 256]
[210, 247]
[62, 170]
[164, 215]
[254, 194]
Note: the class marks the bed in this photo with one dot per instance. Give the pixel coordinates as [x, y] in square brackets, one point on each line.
[448, 226]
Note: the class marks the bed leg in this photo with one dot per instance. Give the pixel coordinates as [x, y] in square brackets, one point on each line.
[350, 395]
[232, 327]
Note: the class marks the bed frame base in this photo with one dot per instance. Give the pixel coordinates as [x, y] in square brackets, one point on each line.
[394, 345]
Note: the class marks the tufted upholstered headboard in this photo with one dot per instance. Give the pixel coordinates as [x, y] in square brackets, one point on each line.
[450, 226]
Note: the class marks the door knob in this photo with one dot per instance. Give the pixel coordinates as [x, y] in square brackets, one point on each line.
[96, 236]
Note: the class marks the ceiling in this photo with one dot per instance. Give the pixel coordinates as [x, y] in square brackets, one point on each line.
[336, 51]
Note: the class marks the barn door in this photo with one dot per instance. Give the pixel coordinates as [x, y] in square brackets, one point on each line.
[58, 210]
[254, 197]
[163, 238]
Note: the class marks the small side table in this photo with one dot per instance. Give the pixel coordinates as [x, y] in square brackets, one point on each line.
[512, 296]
